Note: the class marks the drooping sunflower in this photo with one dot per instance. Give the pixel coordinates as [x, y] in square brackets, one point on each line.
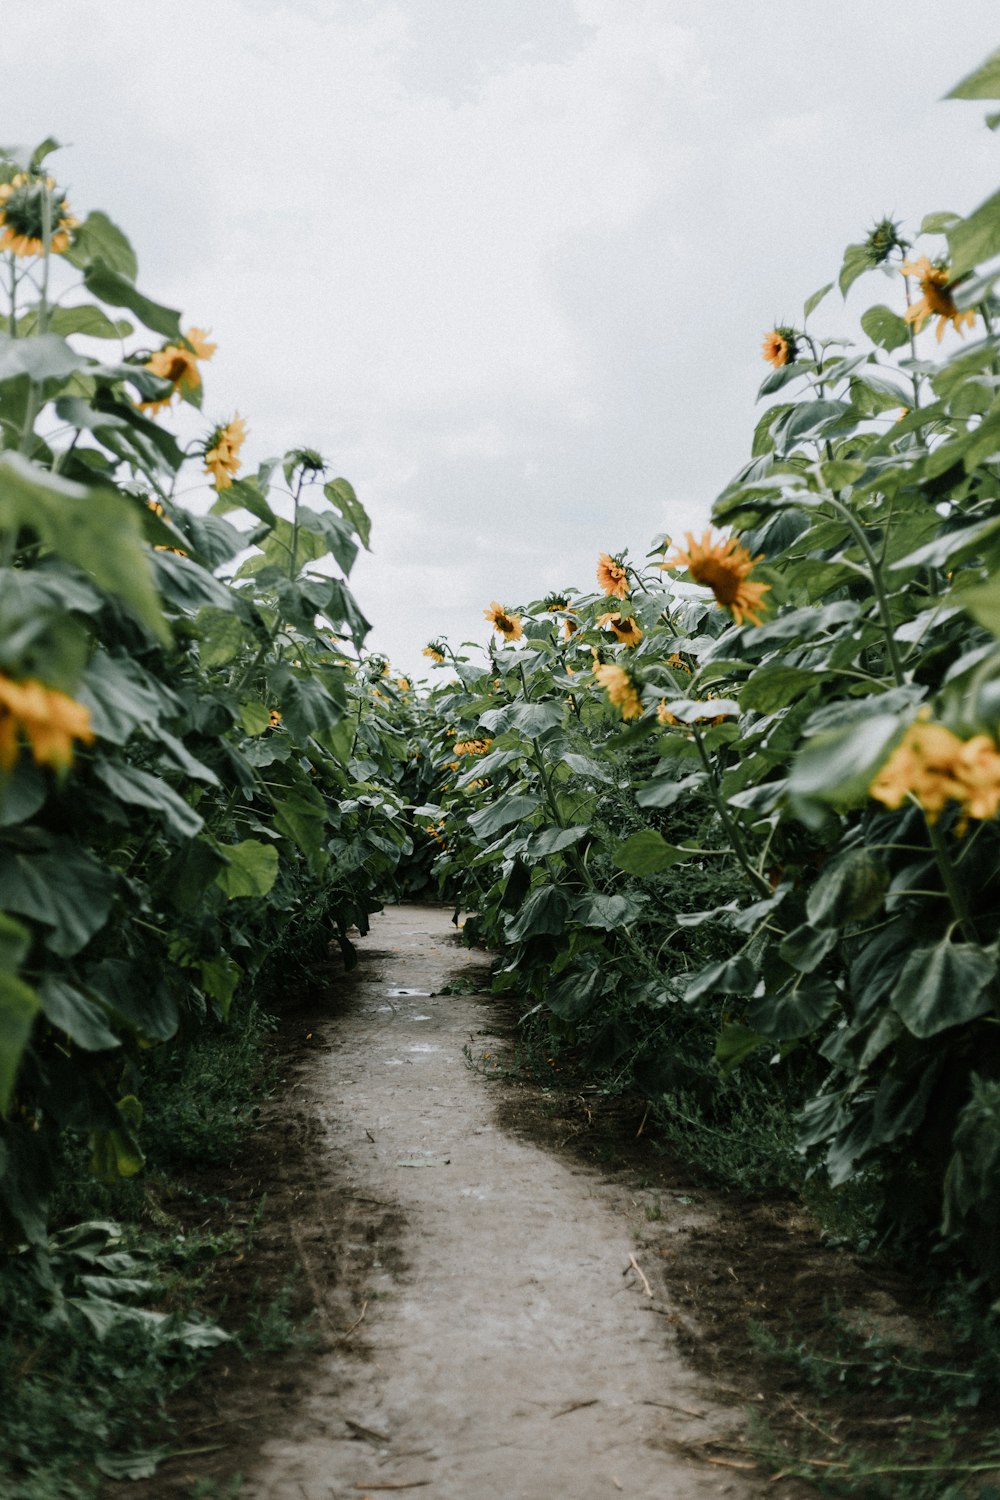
[624, 628]
[222, 452]
[48, 720]
[724, 567]
[779, 347]
[620, 688]
[936, 301]
[178, 363]
[435, 650]
[506, 624]
[612, 575]
[23, 213]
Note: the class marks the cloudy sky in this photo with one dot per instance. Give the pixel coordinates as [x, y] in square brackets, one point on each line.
[507, 265]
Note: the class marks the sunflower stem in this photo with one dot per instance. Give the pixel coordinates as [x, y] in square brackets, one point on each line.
[726, 818]
[949, 875]
[882, 598]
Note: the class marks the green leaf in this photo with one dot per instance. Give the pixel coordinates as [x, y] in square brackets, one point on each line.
[663, 791]
[609, 913]
[732, 976]
[796, 1011]
[64, 888]
[814, 301]
[340, 494]
[885, 327]
[141, 789]
[773, 687]
[982, 602]
[80, 1016]
[849, 889]
[121, 696]
[76, 522]
[254, 717]
[982, 83]
[499, 814]
[647, 853]
[544, 913]
[856, 262]
[938, 223]
[98, 240]
[221, 636]
[806, 947]
[734, 1044]
[18, 1008]
[251, 868]
[555, 840]
[838, 765]
[976, 238]
[89, 320]
[116, 1153]
[46, 356]
[300, 814]
[944, 986]
[112, 287]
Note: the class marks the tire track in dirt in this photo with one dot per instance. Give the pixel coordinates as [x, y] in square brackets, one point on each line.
[496, 1349]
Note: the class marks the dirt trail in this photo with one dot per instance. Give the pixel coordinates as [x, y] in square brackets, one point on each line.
[502, 1354]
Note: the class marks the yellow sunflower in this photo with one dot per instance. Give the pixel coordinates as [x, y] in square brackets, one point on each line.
[624, 628]
[49, 720]
[178, 363]
[222, 452]
[23, 215]
[433, 650]
[936, 301]
[934, 766]
[612, 575]
[724, 567]
[505, 623]
[775, 349]
[620, 688]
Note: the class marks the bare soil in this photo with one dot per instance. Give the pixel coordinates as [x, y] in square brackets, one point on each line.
[507, 1293]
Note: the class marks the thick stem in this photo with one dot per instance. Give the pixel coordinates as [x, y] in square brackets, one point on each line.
[882, 598]
[728, 821]
[956, 896]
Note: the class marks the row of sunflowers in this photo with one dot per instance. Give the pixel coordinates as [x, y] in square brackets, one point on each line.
[730, 818]
[200, 775]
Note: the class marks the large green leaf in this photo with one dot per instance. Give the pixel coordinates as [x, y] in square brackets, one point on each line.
[340, 494]
[944, 986]
[46, 356]
[64, 888]
[838, 765]
[98, 241]
[544, 913]
[77, 523]
[647, 853]
[795, 1011]
[18, 1008]
[976, 238]
[111, 287]
[982, 83]
[138, 788]
[83, 1018]
[499, 814]
[251, 868]
[849, 889]
[885, 327]
[607, 912]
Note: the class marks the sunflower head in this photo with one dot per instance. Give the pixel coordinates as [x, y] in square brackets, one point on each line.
[882, 240]
[624, 628]
[936, 301]
[31, 210]
[178, 363]
[612, 575]
[723, 566]
[780, 346]
[504, 622]
[621, 687]
[553, 602]
[222, 451]
[435, 650]
[45, 719]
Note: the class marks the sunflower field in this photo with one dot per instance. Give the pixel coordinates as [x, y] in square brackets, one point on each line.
[728, 819]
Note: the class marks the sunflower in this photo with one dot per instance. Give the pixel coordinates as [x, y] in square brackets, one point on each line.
[506, 624]
[937, 301]
[178, 363]
[724, 566]
[472, 747]
[23, 215]
[620, 688]
[434, 650]
[403, 683]
[49, 721]
[612, 576]
[779, 347]
[934, 766]
[624, 628]
[222, 452]
[663, 714]
[555, 602]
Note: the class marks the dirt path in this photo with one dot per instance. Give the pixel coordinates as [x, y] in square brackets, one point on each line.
[501, 1353]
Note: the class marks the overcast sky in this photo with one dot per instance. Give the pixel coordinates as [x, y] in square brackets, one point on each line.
[507, 265]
